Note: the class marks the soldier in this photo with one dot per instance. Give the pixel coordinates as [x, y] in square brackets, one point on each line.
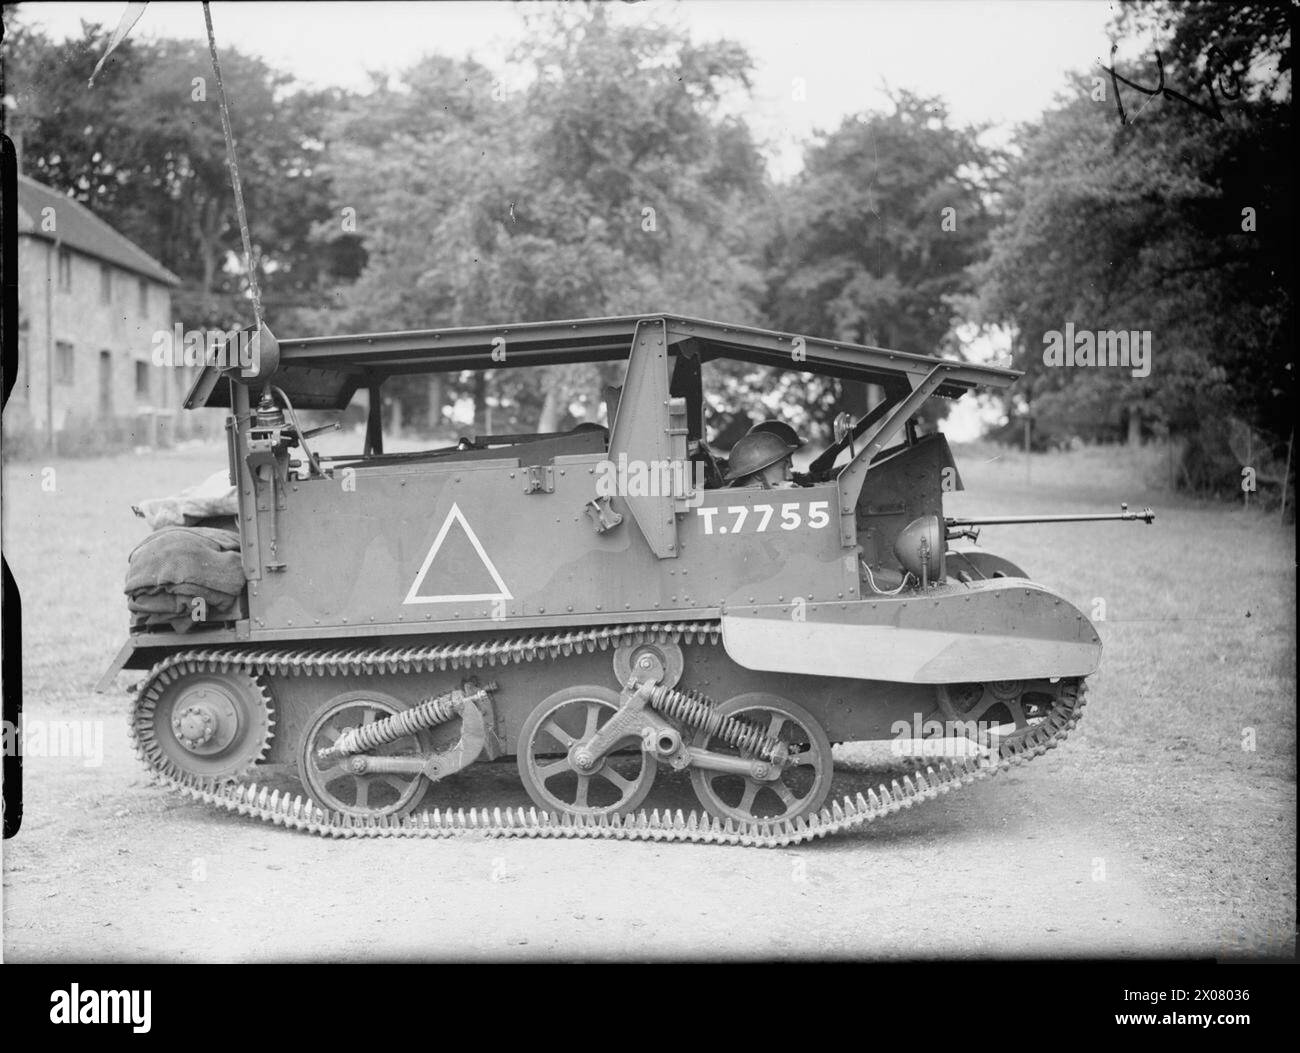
[780, 429]
[790, 437]
[763, 458]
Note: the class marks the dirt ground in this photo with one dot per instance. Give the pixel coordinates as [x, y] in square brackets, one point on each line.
[1155, 830]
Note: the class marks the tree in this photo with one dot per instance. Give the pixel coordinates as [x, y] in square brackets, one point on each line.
[876, 234]
[1173, 222]
[145, 150]
[609, 184]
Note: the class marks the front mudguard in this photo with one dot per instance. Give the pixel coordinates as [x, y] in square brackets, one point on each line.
[1001, 629]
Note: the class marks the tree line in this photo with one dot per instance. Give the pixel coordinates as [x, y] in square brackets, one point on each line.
[612, 175]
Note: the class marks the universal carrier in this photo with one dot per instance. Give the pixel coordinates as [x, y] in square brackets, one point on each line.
[589, 604]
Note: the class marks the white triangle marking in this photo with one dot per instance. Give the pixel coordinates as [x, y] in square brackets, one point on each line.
[455, 514]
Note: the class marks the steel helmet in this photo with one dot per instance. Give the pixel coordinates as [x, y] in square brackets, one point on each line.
[780, 429]
[756, 451]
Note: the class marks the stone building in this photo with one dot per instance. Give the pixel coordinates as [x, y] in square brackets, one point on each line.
[90, 306]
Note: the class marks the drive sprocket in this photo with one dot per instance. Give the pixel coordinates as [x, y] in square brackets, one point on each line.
[210, 724]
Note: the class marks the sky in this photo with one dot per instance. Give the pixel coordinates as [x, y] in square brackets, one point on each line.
[816, 61]
[995, 62]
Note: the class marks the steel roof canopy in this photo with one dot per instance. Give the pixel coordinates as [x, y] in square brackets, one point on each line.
[325, 371]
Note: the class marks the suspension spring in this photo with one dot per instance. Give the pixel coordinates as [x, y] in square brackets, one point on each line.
[696, 710]
[427, 714]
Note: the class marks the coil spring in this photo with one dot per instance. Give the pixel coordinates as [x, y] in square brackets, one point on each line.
[427, 714]
[697, 711]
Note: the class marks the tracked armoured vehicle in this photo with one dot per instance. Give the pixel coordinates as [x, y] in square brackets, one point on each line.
[596, 604]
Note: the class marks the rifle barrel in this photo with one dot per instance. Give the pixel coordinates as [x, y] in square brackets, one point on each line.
[1146, 516]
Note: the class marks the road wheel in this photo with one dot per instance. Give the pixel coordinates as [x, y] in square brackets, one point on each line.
[804, 782]
[618, 782]
[333, 784]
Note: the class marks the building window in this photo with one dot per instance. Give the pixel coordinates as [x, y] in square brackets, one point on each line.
[142, 380]
[144, 296]
[105, 283]
[63, 362]
[106, 384]
[65, 269]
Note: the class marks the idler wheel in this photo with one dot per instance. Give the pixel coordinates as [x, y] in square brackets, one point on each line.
[1001, 712]
[209, 725]
[341, 783]
[551, 758]
[804, 781]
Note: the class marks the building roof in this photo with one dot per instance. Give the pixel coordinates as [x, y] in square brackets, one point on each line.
[323, 372]
[82, 230]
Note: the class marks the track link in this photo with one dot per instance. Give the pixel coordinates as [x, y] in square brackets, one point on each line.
[298, 812]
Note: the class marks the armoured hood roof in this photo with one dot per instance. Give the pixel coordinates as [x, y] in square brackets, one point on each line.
[323, 372]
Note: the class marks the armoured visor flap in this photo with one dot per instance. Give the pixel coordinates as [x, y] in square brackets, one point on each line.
[875, 439]
[996, 630]
[640, 438]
